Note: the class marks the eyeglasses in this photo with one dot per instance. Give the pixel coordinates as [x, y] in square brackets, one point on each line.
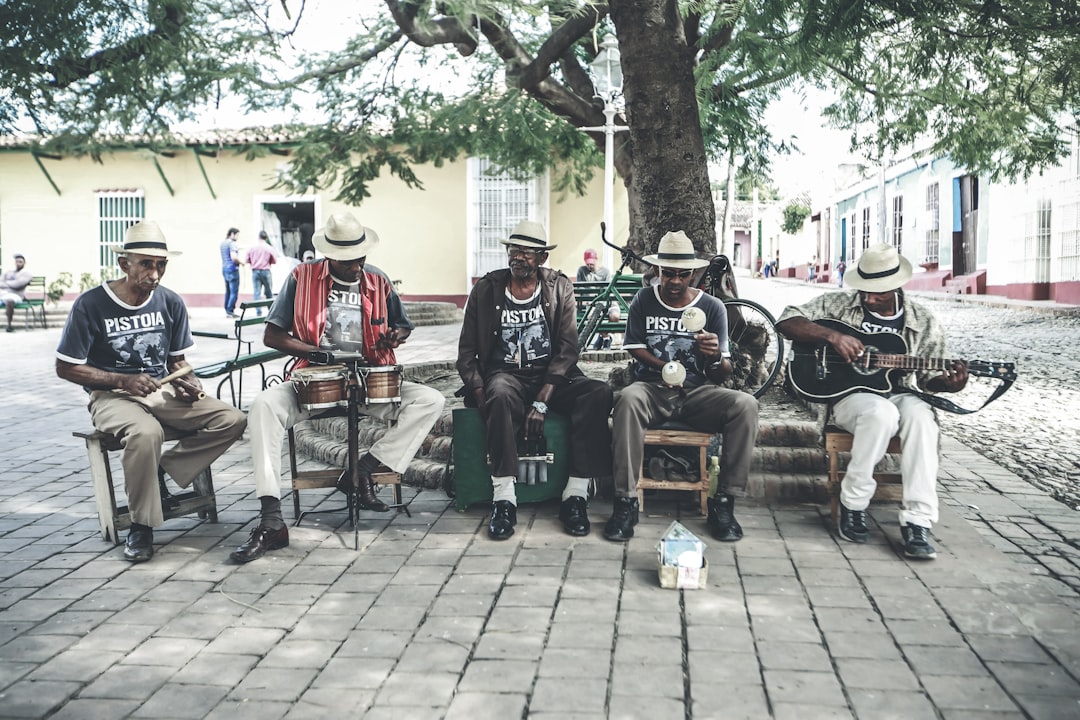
[513, 250]
[681, 274]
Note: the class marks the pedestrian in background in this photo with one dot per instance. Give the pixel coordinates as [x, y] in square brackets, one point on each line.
[260, 257]
[13, 288]
[841, 268]
[230, 270]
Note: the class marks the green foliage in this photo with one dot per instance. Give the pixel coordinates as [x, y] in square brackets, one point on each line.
[795, 215]
[88, 281]
[57, 287]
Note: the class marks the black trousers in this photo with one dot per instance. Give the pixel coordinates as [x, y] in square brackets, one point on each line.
[584, 401]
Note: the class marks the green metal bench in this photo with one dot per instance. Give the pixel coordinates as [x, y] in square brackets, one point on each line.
[33, 307]
[625, 287]
[247, 329]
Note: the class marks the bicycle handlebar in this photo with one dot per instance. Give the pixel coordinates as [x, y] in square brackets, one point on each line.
[626, 252]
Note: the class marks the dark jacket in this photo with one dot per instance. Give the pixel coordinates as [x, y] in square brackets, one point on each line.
[483, 322]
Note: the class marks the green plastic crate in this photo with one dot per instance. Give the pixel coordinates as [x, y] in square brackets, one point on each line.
[472, 475]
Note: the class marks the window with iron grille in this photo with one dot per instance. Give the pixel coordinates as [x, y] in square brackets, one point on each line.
[498, 202]
[1069, 254]
[898, 223]
[117, 210]
[1037, 242]
[932, 241]
[852, 236]
[865, 228]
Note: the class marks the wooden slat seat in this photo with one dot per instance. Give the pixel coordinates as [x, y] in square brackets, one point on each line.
[837, 441]
[676, 434]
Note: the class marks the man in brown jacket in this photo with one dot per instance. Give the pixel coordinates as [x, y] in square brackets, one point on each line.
[517, 356]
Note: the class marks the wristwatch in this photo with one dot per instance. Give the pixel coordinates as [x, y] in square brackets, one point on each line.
[540, 407]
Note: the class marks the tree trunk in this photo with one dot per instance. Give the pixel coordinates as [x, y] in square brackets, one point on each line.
[668, 188]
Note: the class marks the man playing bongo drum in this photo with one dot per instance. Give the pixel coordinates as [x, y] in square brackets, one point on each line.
[335, 304]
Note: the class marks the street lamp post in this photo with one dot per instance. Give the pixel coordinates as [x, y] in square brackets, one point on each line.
[607, 79]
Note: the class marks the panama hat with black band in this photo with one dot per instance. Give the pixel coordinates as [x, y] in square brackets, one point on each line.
[529, 235]
[145, 238]
[344, 238]
[676, 250]
[879, 269]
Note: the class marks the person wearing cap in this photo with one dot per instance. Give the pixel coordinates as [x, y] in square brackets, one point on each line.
[260, 257]
[656, 337]
[591, 271]
[119, 340]
[877, 305]
[313, 316]
[13, 288]
[517, 357]
[230, 270]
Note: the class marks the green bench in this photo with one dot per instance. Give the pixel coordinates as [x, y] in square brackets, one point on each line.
[247, 330]
[626, 287]
[33, 306]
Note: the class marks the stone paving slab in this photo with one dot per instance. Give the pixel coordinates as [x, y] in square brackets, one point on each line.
[429, 618]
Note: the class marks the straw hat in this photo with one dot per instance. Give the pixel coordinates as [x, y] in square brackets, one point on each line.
[880, 268]
[676, 250]
[344, 238]
[145, 238]
[529, 234]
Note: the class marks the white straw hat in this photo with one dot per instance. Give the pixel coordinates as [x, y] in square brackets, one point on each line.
[880, 268]
[529, 234]
[676, 250]
[145, 238]
[344, 238]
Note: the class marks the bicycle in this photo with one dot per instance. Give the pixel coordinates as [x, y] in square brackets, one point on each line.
[757, 350]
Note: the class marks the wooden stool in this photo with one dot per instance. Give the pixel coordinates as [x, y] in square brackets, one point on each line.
[837, 440]
[675, 434]
[313, 479]
[112, 518]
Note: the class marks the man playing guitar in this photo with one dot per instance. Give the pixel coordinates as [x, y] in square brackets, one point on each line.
[878, 305]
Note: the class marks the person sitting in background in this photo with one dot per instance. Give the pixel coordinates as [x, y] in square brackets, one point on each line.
[592, 271]
[13, 288]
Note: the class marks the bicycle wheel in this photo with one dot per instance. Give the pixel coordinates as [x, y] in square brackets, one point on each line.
[587, 326]
[757, 350]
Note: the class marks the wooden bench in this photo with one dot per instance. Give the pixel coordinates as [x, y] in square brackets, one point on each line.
[33, 306]
[626, 286]
[113, 518]
[838, 440]
[676, 434]
[247, 330]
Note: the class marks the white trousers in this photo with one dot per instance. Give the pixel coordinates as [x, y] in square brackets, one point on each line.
[873, 420]
[277, 409]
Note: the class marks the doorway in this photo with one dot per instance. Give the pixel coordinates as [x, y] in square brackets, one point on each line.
[965, 224]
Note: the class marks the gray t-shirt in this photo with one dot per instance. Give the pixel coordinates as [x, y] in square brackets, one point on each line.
[658, 328]
[104, 332]
[525, 339]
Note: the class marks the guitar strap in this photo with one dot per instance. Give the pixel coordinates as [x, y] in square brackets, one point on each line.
[948, 405]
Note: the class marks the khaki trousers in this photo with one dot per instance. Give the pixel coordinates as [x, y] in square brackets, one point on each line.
[140, 425]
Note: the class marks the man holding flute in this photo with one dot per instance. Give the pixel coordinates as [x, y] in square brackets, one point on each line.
[124, 342]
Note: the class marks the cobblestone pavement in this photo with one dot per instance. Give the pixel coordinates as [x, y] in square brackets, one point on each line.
[430, 619]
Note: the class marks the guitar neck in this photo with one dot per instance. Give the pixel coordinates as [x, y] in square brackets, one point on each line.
[908, 362]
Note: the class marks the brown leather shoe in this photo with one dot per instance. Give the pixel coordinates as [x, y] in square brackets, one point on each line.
[262, 540]
[366, 498]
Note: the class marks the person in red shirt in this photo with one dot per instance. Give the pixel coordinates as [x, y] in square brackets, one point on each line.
[260, 257]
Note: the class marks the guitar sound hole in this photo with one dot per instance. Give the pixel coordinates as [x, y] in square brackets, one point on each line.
[862, 363]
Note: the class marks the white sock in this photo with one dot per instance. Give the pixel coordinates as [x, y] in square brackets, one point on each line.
[576, 487]
[503, 489]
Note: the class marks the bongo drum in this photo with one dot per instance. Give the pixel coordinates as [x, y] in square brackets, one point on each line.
[320, 387]
[381, 384]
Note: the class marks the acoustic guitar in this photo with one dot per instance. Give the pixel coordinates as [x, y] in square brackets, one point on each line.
[819, 373]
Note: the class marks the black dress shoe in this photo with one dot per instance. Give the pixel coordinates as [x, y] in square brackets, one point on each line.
[573, 515]
[624, 516]
[503, 520]
[262, 541]
[140, 544]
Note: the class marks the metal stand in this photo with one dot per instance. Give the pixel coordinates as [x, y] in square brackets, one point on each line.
[355, 392]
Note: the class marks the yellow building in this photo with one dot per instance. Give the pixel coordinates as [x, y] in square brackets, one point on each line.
[63, 213]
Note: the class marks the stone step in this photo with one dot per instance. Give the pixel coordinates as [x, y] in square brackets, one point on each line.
[433, 313]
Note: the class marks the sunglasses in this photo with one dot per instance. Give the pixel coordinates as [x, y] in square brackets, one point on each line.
[513, 250]
[681, 274]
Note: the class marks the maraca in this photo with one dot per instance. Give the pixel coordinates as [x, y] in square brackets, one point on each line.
[693, 319]
[673, 374]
